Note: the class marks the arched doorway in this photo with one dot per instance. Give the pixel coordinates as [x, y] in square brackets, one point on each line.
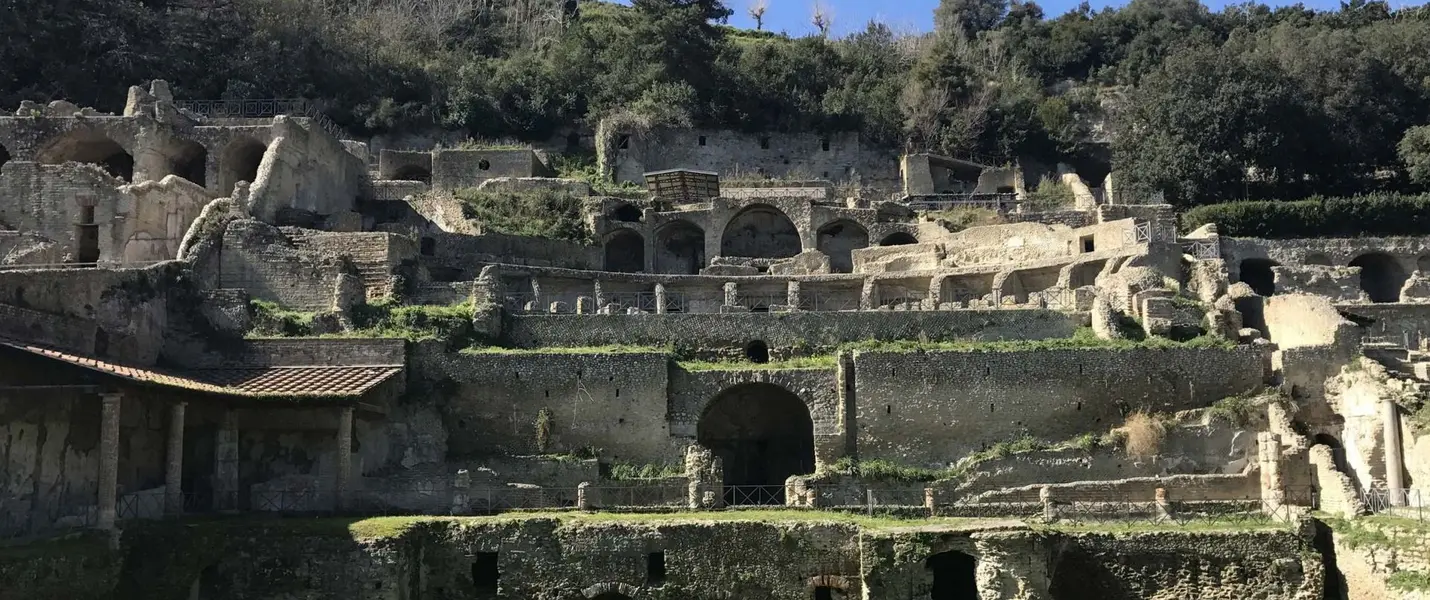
[680, 248]
[839, 240]
[413, 173]
[626, 213]
[625, 252]
[898, 238]
[763, 434]
[1381, 276]
[189, 159]
[955, 576]
[88, 146]
[1256, 272]
[757, 352]
[760, 231]
[240, 162]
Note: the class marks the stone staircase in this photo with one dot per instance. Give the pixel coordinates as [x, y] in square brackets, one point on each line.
[1410, 366]
[373, 269]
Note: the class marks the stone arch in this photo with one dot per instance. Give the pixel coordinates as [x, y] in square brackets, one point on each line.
[626, 213]
[4, 155]
[190, 160]
[760, 231]
[239, 162]
[839, 240]
[955, 576]
[89, 146]
[1256, 272]
[413, 173]
[680, 248]
[1318, 259]
[898, 238]
[1422, 264]
[1381, 276]
[625, 251]
[763, 434]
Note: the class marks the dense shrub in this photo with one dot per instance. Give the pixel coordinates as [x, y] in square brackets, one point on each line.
[1371, 215]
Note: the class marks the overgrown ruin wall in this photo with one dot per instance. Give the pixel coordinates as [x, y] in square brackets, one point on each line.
[931, 407]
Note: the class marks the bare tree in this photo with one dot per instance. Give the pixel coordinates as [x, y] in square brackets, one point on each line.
[757, 12]
[923, 107]
[823, 19]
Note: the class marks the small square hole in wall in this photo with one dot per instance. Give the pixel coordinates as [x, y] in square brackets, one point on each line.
[765, 143]
[623, 142]
[1087, 244]
[655, 568]
[485, 574]
[702, 140]
[824, 144]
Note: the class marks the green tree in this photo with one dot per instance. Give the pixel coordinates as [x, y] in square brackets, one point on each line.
[1414, 150]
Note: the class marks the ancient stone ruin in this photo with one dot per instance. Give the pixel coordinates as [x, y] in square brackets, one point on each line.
[244, 358]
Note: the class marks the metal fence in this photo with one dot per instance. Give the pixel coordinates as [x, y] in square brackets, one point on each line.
[828, 302]
[528, 303]
[1383, 334]
[997, 202]
[1407, 503]
[262, 108]
[1201, 249]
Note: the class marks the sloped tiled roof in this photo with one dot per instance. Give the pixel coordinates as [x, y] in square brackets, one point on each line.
[302, 382]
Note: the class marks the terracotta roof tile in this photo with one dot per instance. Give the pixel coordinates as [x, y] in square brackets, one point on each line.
[305, 381]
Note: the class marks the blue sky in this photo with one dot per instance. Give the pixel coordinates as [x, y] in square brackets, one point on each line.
[792, 16]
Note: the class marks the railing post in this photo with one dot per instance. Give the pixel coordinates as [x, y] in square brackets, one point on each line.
[660, 299]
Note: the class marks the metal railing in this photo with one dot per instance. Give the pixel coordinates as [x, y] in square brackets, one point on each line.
[828, 302]
[528, 303]
[262, 108]
[998, 202]
[642, 301]
[1407, 503]
[761, 302]
[1202, 249]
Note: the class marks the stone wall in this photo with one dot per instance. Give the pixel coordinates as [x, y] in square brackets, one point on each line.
[457, 169]
[259, 259]
[614, 402]
[302, 352]
[130, 305]
[1393, 322]
[931, 408]
[784, 331]
[306, 169]
[460, 257]
[838, 157]
[1179, 488]
[692, 393]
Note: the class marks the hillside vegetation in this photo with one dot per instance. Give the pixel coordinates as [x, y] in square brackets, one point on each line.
[1205, 106]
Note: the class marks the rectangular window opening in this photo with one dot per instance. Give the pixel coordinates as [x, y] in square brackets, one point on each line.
[1087, 244]
[623, 142]
[765, 143]
[824, 144]
[485, 574]
[702, 140]
[655, 567]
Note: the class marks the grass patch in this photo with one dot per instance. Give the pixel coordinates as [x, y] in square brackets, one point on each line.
[1242, 409]
[1082, 338]
[550, 214]
[389, 319]
[607, 349]
[272, 320]
[959, 219]
[802, 362]
[378, 528]
[1409, 581]
[763, 515]
[582, 166]
[883, 470]
[622, 471]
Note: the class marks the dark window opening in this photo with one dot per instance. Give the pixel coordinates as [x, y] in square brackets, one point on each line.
[429, 246]
[573, 140]
[484, 165]
[413, 173]
[758, 352]
[765, 143]
[823, 592]
[655, 568]
[485, 574]
[1256, 272]
[824, 144]
[954, 576]
[1087, 244]
[702, 140]
[623, 142]
[627, 213]
[1006, 189]
[898, 238]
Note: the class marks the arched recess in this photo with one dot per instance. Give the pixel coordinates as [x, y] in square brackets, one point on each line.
[763, 434]
[1422, 264]
[680, 248]
[413, 173]
[239, 162]
[625, 251]
[1381, 276]
[626, 213]
[898, 238]
[760, 231]
[4, 155]
[89, 146]
[189, 159]
[1256, 272]
[839, 240]
[954, 575]
[1318, 259]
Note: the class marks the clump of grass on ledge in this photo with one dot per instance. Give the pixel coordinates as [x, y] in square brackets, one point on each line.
[389, 319]
[607, 349]
[272, 320]
[800, 362]
[623, 471]
[1409, 580]
[1083, 338]
[550, 214]
[882, 470]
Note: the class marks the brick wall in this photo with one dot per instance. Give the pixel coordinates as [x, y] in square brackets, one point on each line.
[302, 352]
[456, 169]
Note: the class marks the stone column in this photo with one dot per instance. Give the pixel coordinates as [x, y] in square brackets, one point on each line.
[225, 484]
[598, 294]
[345, 456]
[108, 458]
[1050, 504]
[1394, 460]
[792, 294]
[1273, 488]
[660, 298]
[174, 465]
[869, 295]
[732, 293]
